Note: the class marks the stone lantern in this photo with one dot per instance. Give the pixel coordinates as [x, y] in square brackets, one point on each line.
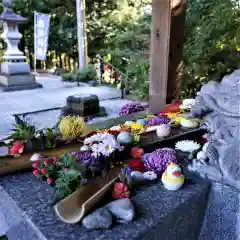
[15, 71]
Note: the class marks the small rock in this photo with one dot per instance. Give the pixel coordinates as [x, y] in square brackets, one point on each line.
[35, 157]
[99, 219]
[150, 175]
[136, 175]
[122, 209]
[84, 148]
[4, 151]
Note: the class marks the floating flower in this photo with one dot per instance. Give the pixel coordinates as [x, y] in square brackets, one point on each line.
[44, 171]
[171, 108]
[150, 175]
[163, 130]
[187, 146]
[137, 128]
[131, 108]
[137, 165]
[55, 159]
[36, 173]
[158, 160]
[92, 162]
[36, 165]
[161, 119]
[47, 162]
[50, 180]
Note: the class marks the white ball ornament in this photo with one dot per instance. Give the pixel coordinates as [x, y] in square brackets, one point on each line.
[163, 130]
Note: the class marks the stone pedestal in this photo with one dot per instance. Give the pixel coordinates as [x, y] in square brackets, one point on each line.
[83, 105]
[18, 82]
[16, 76]
[15, 72]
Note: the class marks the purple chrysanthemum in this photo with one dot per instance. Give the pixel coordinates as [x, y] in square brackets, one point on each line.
[131, 108]
[161, 119]
[92, 163]
[158, 160]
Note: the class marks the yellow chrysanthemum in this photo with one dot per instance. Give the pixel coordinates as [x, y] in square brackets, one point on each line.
[172, 115]
[149, 117]
[137, 128]
[136, 138]
[72, 127]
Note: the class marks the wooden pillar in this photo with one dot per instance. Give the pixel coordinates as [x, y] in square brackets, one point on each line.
[166, 52]
[161, 20]
[175, 62]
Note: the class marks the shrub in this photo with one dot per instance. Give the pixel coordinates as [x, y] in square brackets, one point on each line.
[86, 74]
[69, 77]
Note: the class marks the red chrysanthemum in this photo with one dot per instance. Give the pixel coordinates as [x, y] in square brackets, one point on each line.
[172, 108]
[137, 165]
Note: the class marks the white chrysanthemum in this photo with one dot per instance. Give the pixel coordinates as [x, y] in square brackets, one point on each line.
[187, 146]
[106, 148]
[104, 144]
[98, 137]
[95, 150]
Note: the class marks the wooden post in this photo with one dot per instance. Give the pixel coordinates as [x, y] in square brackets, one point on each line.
[175, 63]
[167, 40]
[161, 20]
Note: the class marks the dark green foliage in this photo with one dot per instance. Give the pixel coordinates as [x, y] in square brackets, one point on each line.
[211, 43]
[70, 176]
[50, 138]
[118, 28]
[86, 74]
[69, 77]
[22, 130]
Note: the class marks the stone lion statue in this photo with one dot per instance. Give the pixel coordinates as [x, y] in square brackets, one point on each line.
[219, 105]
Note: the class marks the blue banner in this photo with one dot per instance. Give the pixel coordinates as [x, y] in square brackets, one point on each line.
[41, 31]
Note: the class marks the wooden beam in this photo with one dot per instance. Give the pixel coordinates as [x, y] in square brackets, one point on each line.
[161, 22]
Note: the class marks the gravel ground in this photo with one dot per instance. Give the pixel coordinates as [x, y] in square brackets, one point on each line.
[49, 118]
[52, 95]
